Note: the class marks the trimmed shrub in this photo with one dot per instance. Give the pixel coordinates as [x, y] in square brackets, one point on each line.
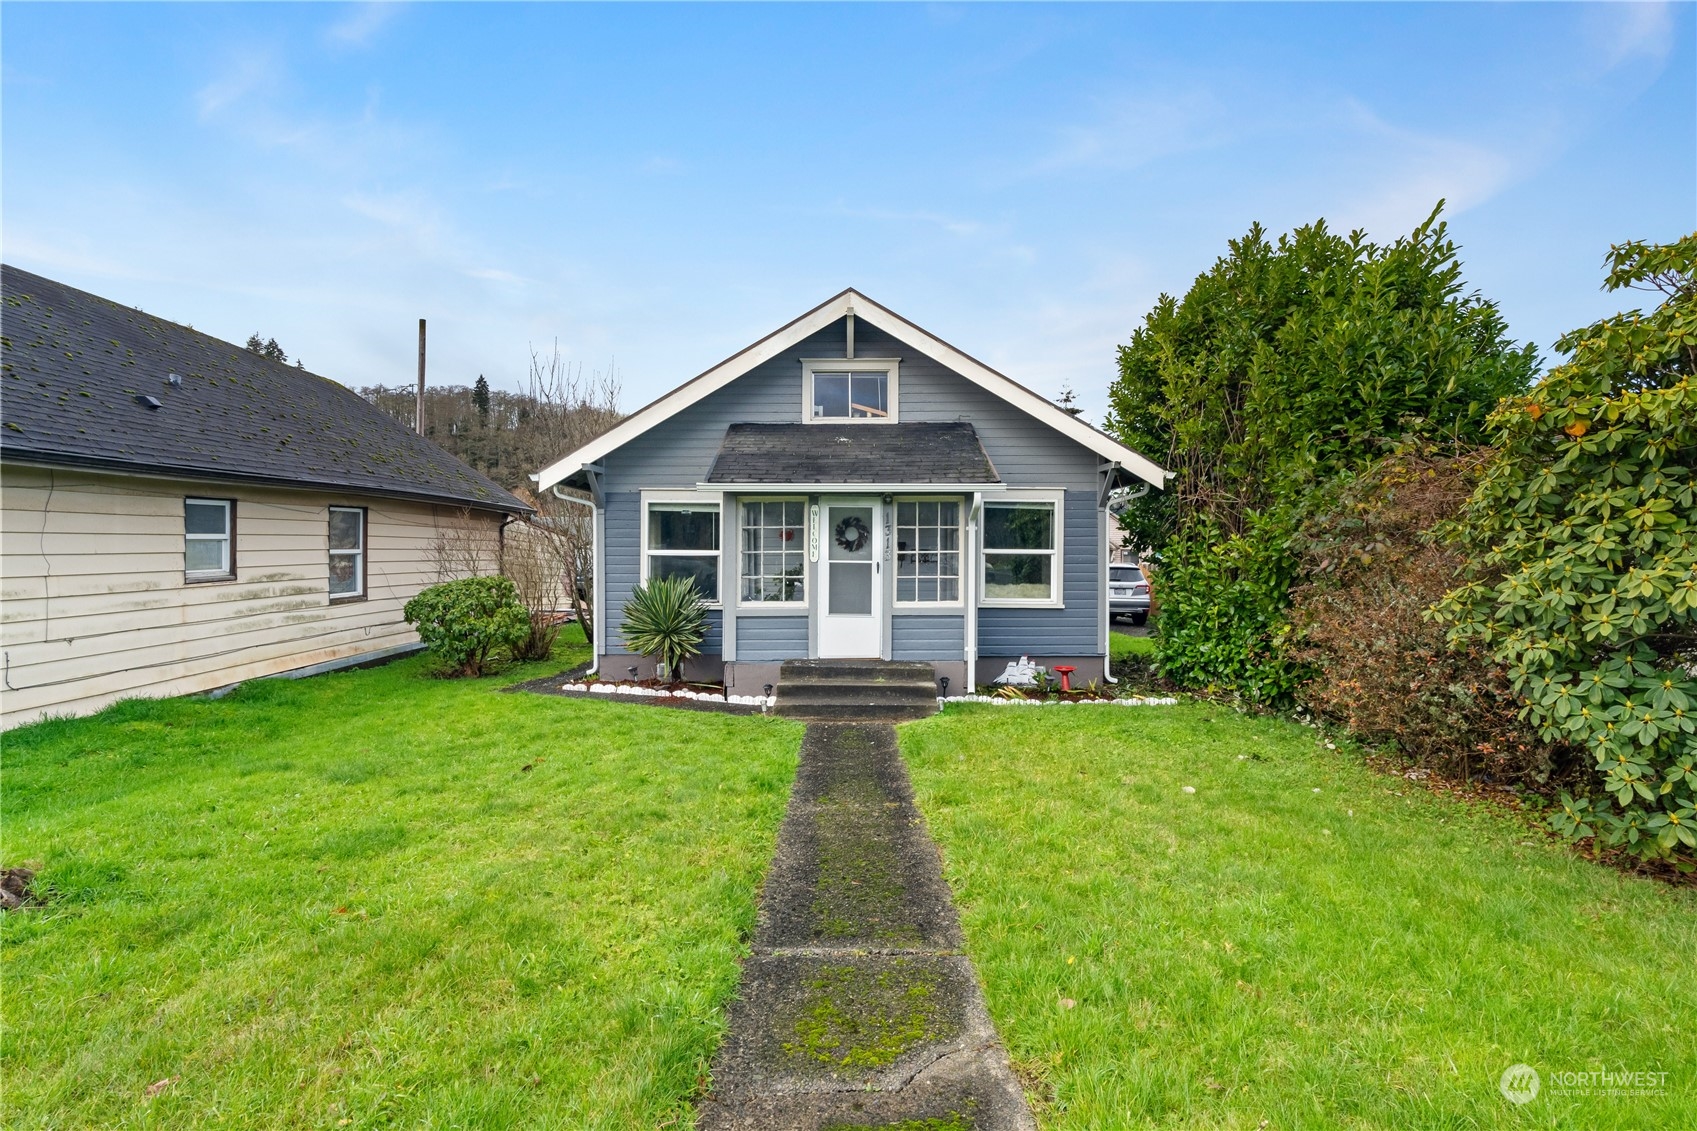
[464, 623]
[665, 618]
[1582, 558]
[1361, 626]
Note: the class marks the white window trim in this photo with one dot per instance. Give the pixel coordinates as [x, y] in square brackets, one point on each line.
[700, 499]
[895, 575]
[807, 572]
[358, 555]
[1057, 575]
[227, 571]
[889, 366]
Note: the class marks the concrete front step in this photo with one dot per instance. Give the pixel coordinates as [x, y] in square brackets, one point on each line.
[856, 689]
[853, 712]
[857, 671]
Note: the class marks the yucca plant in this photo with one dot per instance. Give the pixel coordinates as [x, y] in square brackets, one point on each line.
[665, 618]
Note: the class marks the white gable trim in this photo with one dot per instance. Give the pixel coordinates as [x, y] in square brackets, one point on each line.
[821, 316]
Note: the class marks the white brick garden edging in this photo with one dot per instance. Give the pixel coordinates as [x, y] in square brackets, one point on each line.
[761, 701]
[996, 701]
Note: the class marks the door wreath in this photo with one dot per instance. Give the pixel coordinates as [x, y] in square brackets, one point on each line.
[851, 533]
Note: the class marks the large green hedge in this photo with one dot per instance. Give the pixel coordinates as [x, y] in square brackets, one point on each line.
[1285, 366]
[1583, 538]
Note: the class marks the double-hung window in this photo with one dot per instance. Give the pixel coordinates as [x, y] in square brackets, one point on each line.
[209, 539]
[683, 541]
[347, 553]
[927, 551]
[1021, 552]
[774, 551]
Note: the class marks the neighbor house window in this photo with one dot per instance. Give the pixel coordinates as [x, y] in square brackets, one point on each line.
[1020, 552]
[850, 390]
[927, 551]
[347, 552]
[774, 551]
[683, 541]
[209, 541]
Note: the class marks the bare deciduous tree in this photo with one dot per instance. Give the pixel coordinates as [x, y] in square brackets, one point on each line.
[568, 410]
[466, 544]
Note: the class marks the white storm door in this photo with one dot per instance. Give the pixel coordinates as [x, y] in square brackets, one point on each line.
[851, 587]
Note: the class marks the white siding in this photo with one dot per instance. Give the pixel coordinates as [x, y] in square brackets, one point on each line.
[94, 607]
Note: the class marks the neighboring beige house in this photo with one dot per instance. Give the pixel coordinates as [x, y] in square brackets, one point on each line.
[178, 514]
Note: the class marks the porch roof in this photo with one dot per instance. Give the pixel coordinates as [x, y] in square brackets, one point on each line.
[829, 454]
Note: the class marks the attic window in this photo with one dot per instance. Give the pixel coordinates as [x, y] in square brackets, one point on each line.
[861, 390]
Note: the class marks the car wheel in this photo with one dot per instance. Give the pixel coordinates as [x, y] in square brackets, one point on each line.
[1140, 619]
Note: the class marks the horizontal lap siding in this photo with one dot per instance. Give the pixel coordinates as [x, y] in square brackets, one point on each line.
[96, 607]
[622, 533]
[1072, 631]
[678, 454]
[769, 638]
[928, 636]
[1025, 451]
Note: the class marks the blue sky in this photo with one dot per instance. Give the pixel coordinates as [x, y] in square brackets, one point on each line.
[662, 185]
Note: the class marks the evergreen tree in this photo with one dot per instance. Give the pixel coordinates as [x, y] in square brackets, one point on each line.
[480, 398]
[266, 348]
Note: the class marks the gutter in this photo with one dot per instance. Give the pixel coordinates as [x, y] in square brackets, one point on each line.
[851, 488]
[54, 460]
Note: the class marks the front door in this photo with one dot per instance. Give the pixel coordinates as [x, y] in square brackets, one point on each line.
[851, 619]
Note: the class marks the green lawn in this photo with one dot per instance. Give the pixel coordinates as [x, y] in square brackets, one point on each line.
[1302, 941]
[1123, 646]
[347, 902]
[376, 898]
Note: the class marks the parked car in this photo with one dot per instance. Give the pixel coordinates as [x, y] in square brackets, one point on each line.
[1128, 593]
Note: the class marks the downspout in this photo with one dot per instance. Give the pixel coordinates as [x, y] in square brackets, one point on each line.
[969, 572]
[595, 556]
[1117, 501]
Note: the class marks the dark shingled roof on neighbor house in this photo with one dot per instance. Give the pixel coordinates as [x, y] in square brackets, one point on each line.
[915, 453]
[78, 370]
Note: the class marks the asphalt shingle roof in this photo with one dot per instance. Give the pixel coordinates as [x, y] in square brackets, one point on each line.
[852, 453]
[76, 367]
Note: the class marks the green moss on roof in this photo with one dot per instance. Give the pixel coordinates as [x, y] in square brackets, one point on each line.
[244, 410]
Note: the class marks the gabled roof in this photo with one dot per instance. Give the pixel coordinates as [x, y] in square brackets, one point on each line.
[821, 316]
[80, 372]
[909, 453]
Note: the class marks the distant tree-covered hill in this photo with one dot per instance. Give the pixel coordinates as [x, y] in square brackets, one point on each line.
[509, 435]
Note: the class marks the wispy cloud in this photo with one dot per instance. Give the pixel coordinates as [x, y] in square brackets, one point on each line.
[358, 27]
[953, 225]
[1135, 131]
[1405, 172]
[1640, 30]
[495, 275]
[245, 73]
[662, 164]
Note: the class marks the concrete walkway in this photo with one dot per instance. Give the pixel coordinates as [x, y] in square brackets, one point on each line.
[858, 1008]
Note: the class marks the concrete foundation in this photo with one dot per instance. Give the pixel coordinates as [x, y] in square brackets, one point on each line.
[1089, 667]
[705, 668]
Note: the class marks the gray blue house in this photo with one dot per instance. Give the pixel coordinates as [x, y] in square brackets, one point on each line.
[851, 486]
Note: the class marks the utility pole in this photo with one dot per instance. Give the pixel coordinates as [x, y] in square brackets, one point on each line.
[419, 422]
